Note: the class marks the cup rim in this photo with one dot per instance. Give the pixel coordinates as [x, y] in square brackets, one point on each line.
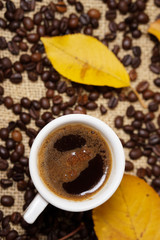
[93, 201]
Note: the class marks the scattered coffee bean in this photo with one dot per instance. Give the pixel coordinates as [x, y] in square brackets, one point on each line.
[135, 153]
[142, 86]
[128, 166]
[3, 165]
[118, 122]
[7, 200]
[127, 43]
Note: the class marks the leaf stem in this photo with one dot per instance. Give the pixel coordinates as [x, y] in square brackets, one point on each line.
[73, 232]
[139, 98]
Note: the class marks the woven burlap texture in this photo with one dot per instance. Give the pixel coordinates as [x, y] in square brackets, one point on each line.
[36, 90]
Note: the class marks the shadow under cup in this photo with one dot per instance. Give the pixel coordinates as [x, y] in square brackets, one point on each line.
[116, 173]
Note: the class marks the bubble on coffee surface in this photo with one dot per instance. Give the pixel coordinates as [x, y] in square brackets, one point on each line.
[74, 161]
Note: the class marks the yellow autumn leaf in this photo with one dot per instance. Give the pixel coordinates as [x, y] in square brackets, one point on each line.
[132, 213]
[155, 29]
[84, 59]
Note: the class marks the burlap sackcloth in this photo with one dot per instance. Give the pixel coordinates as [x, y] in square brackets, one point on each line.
[36, 90]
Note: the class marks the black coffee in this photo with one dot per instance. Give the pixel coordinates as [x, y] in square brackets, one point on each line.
[74, 161]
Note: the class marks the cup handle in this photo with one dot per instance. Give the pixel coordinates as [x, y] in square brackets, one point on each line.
[35, 208]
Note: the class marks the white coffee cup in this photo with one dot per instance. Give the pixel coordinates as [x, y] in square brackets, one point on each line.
[45, 196]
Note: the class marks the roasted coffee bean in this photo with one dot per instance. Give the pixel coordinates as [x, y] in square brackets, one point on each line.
[44, 103]
[94, 13]
[11, 126]
[123, 7]
[33, 38]
[36, 57]
[28, 23]
[14, 157]
[32, 133]
[130, 111]
[141, 172]
[10, 144]
[112, 26]
[61, 87]
[154, 68]
[139, 115]
[16, 217]
[118, 122]
[110, 14]
[132, 97]
[136, 51]
[135, 153]
[13, 47]
[21, 125]
[79, 7]
[153, 106]
[158, 120]
[136, 62]
[154, 139]
[91, 105]
[18, 67]
[3, 152]
[56, 110]
[127, 43]
[20, 149]
[93, 96]
[3, 23]
[32, 76]
[72, 101]
[157, 82]
[156, 149]
[41, 30]
[137, 124]
[128, 128]
[142, 18]
[61, 7]
[22, 185]
[7, 200]
[141, 5]
[40, 123]
[13, 234]
[24, 161]
[130, 144]
[25, 118]
[127, 59]
[128, 166]
[6, 63]
[143, 133]
[4, 133]
[34, 113]
[142, 86]
[3, 43]
[156, 170]
[150, 126]
[16, 108]
[84, 19]
[73, 22]
[36, 104]
[152, 160]
[103, 109]
[17, 136]
[149, 116]
[6, 183]
[16, 78]
[121, 26]
[25, 102]
[113, 102]
[88, 30]
[157, 97]
[37, 18]
[3, 165]
[148, 94]
[46, 115]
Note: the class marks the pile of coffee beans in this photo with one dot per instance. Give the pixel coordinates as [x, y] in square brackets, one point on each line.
[143, 130]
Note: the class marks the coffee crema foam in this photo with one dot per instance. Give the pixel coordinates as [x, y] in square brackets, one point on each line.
[74, 161]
